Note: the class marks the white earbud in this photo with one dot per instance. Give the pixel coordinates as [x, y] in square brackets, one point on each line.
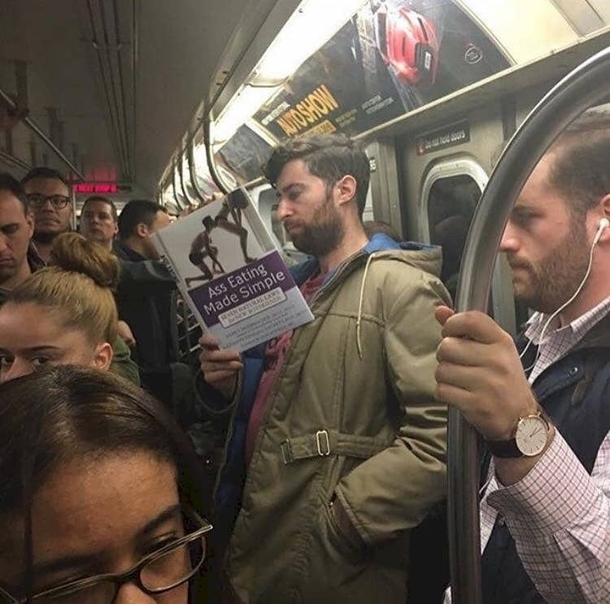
[604, 223]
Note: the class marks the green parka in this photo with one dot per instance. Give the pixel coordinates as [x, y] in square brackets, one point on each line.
[352, 416]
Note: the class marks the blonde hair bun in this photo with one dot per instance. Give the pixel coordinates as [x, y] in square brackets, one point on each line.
[72, 252]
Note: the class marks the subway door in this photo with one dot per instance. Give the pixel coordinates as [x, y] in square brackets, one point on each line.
[442, 188]
[450, 193]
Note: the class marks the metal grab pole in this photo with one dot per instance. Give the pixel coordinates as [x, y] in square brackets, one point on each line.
[585, 86]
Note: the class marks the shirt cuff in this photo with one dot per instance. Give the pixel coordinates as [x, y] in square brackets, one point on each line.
[557, 492]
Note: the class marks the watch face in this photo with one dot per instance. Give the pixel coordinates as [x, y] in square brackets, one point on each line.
[531, 436]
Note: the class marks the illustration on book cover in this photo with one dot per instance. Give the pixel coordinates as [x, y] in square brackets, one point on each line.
[231, 273]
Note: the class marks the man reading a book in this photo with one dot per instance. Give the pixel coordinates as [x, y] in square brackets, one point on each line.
[337, 447]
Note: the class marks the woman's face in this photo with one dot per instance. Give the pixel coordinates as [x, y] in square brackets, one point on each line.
[32, 336]
[95, 516]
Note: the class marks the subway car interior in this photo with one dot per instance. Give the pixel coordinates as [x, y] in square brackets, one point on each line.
[182, 102]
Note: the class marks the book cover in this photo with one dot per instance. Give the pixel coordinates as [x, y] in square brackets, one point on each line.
[231, 274]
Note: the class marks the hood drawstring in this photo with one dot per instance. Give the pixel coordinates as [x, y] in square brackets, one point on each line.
[360, 304]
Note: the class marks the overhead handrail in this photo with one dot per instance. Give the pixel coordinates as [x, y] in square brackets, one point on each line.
[180, 165]
[36, 129]
[585, 86]
[174, 191]
[190, 150]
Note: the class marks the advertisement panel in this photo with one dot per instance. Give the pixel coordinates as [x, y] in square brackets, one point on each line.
[390, 58]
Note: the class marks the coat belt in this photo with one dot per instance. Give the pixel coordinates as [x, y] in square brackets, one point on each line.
[330, 442]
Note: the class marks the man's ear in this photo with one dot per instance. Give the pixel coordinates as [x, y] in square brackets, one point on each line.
[102, 357]
[29, 219]
[142, 230]
[347, 188]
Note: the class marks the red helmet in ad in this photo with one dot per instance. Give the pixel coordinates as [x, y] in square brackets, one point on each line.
[408, 42]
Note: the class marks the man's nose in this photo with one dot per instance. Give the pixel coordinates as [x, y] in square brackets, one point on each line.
[47, 206]
[3, 244]
[509, 241]
[283, 210]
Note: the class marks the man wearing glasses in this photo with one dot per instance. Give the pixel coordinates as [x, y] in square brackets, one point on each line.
[49, 197]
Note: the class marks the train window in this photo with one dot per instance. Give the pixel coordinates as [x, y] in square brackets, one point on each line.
[451, 205]
[451, 192]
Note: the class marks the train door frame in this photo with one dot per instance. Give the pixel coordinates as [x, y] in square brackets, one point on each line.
[384, 187]
[501, 306]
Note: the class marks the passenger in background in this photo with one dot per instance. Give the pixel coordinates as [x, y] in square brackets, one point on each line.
[337, 447]
[545, 514]
[49, 195]
[101, 496]
[149, 314]
[138, 220]
[16, 228]
[99, 220]
[64, 313]
[450, 234]
[372, 227]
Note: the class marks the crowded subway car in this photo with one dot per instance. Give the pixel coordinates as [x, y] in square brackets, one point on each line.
[243, 354]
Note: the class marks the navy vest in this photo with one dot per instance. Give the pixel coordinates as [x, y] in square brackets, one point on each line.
[575, 393]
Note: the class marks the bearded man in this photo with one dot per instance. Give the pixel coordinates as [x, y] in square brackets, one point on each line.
[337, 446]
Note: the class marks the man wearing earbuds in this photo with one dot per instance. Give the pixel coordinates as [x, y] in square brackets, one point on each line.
[545, 508]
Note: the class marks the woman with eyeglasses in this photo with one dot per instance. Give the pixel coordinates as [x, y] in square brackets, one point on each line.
[101, 494]
[65, 313]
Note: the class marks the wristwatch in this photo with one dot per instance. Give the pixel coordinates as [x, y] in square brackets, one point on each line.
[531, 437]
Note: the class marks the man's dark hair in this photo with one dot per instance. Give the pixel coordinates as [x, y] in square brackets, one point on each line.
[44, 172]
[135, 212]
[105, 200]
[581, 168]
[11, 184]
[327, 156]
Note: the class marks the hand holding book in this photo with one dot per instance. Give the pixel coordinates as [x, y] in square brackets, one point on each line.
[219, 366]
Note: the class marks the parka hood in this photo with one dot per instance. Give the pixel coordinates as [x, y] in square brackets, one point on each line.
[427, 258]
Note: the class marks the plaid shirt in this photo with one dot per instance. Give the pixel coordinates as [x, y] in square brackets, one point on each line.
[558, 514]
[558, 342]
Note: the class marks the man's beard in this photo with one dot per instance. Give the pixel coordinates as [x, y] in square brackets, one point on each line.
[323, 234]
[555, 279]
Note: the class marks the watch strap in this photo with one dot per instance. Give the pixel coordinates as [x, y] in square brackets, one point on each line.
[504, 448]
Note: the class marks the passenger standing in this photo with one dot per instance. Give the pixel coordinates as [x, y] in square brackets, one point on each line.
[337, 446]
[148, 314]
[16, 228]
[49, 196]
[545, 515]
[64, 313]
[99, 220]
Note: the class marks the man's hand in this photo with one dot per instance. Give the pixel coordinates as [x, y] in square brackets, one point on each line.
[480, 373]
[126, 334]
[219, 366]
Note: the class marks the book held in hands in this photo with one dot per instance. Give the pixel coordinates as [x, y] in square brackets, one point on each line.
[231, 273]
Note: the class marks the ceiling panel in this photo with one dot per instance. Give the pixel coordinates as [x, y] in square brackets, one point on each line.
[70, 49]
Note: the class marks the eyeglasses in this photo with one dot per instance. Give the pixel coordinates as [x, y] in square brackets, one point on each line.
[157, 573]
[57, 201]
